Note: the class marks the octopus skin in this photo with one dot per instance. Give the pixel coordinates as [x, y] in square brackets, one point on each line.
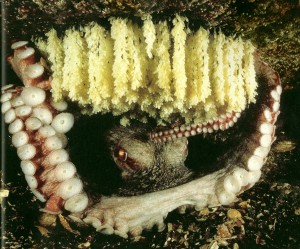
[38, 127]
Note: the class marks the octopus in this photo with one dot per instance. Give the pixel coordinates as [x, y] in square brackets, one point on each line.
[151, 161]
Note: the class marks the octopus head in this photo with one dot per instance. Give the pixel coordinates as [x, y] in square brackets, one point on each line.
[147, 166]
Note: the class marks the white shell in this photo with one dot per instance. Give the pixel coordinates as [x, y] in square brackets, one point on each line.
[238, 114]
[19, 44]
[33, 123]
[34, 71]
[231, 184]
[58, 156]
[17, 101]
[5, 106]
[60, 105]
[64, 171]
[69, 188]
[266, 128]
[254, 176]
[265, 140]
[53, 143]
[268, 114]
[26, 152]
[5, 97]
[10, 116]
[5, 87]
[28, 167]
[275, 95]
[43, 114]
[276, 106]
[210, 130]
[63, 122]
[46, 131]
[77, 203]
[20, 138]
[241, 175]
[15, 126]
[255, 163]
[226, 198]
[63, 138]
[25, 53]
[38, 195]
[261, 151]
[31, 181]
[229, 114]
[33, 96]
[279, 89]
[23, 111]
[216, 127]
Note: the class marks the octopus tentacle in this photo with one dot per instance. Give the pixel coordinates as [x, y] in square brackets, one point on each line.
[28, 66]
[222, 123]
[123, 215]
[38, 126]
[38, 133]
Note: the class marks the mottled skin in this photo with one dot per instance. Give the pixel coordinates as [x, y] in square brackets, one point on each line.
[148, 166]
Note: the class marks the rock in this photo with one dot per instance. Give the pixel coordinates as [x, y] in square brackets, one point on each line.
[233, 214]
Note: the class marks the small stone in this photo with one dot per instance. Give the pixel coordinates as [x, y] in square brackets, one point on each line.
[259, 215]
[170, 227]
[84, 245]
[192, 227]
[244, 204]
[66, 225]
[204, 211]
[233, 214]
[297, 211]
[235, 246]
[44, 231]
[212, 245]
[288, 191]
[223, 231]
[284, 146]
[47, 219]
[3, 193]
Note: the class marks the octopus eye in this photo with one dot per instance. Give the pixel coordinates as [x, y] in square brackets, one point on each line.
[121, 154]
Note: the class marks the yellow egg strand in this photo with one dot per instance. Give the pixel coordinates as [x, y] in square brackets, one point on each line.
[156, 70]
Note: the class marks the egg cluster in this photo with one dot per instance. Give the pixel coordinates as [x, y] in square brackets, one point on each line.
[156, 70]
